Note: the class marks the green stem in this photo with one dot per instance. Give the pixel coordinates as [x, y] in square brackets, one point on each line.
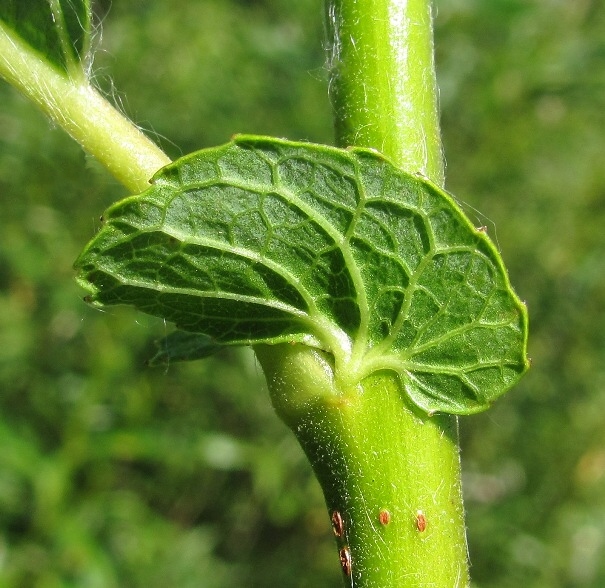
[383, 85]
[385, 95]
[75, 105]
[389, 472]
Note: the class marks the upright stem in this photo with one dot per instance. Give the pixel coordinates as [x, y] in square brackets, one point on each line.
[384, 92]
[383, 85]
[390, 474]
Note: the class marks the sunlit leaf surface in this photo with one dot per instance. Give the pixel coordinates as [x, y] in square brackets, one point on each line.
[270, 241]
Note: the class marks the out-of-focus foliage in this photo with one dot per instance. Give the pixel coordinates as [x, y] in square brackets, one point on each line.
[523, 97]
[116, 474]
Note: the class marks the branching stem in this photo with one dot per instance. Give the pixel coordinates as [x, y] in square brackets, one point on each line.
[75, 105]
[390, 475]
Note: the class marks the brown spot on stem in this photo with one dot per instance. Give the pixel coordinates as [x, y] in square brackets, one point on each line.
[384, 516]
[338, 525]
[420, 521]
[345, 560]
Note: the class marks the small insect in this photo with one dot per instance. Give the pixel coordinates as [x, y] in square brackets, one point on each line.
[482, 229]
[338, 525]
[345, 560]
[420, 521]
[384, 516]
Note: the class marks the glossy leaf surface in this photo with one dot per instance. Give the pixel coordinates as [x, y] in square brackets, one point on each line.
[270, 241]
[59, 30]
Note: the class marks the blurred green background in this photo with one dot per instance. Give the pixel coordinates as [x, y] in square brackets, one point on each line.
[113, 474]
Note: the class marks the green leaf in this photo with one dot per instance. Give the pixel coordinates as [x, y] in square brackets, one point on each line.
[183, 346]
[269, 241]
[59, 30]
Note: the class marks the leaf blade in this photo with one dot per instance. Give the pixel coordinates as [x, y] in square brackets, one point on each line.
[268, 241]
[183, 346]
